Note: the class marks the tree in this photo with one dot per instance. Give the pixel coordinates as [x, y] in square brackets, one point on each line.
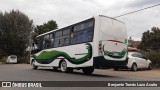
[151, 40]
[15, 28]
[50, 25]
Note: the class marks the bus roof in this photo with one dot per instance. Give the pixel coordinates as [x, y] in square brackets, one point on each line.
[110, 18]
[78, 23]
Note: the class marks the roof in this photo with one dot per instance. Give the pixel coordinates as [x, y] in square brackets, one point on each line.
[133, 49]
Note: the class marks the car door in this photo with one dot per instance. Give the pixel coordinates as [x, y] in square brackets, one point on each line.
[143, 60]
[137, 59]
[139, 62]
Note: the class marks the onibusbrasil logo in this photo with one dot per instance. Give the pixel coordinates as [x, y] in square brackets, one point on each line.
[21, 84]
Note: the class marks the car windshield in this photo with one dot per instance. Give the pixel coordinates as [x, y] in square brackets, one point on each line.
[13, 57]
[136, 54]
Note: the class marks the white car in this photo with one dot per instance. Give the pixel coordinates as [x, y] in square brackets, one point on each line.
[136, 61]
[11, 59]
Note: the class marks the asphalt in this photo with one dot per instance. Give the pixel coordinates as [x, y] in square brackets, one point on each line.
[24, 72]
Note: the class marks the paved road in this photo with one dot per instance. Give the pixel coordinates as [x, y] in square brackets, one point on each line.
[23, 72]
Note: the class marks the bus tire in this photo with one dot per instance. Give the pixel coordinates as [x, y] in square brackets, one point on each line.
[33, 65]
[64, 68]
[88, 70]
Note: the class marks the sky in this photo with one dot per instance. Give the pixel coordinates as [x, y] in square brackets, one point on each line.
[67, 12]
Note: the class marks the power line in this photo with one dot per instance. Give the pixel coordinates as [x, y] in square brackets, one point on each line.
[137, 11]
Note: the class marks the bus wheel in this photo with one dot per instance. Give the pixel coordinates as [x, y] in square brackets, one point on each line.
[64, 68]
[33, 65]
[88, 70]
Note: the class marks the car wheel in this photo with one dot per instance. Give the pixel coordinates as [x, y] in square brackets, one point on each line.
[33, 65]
[134, 67]
[150, 66]
[88, 70]
[64, 68]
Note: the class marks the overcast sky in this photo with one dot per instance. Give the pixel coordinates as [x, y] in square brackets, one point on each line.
[67, 12]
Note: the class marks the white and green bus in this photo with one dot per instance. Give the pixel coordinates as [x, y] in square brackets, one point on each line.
[98, 42]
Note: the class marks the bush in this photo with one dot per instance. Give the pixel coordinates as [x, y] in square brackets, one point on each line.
[23, 60]
[154, 57]
[3, 59]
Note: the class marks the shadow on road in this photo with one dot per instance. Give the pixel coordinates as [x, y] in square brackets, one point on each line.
[131, 70]
[78, 73]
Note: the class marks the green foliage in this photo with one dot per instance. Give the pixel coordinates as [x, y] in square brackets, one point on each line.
[151, 40]
[154, 57]
[15, 28]
[50, 25]
[25, 58]
[3, 59]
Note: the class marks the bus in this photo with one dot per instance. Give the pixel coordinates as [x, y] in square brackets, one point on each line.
[99, 42]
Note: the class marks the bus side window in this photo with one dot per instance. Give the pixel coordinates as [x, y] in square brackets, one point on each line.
[78, 37]
[82, 33]
[59, 43]
[56, 42]
[66, 40]
[89, 24]
[40, 42]
[58, 36]
[46, 42]
[52, 40]
[66, 36]
[58, 33]
[87, 35]
[72, 36]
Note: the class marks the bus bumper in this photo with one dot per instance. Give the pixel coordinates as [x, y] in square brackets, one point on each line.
[100, 63]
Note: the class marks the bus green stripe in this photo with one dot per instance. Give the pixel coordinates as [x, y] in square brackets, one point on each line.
[49, 56]
[112, 54]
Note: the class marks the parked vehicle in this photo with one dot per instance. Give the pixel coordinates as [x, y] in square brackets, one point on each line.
[11, 59]
[136, 61]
